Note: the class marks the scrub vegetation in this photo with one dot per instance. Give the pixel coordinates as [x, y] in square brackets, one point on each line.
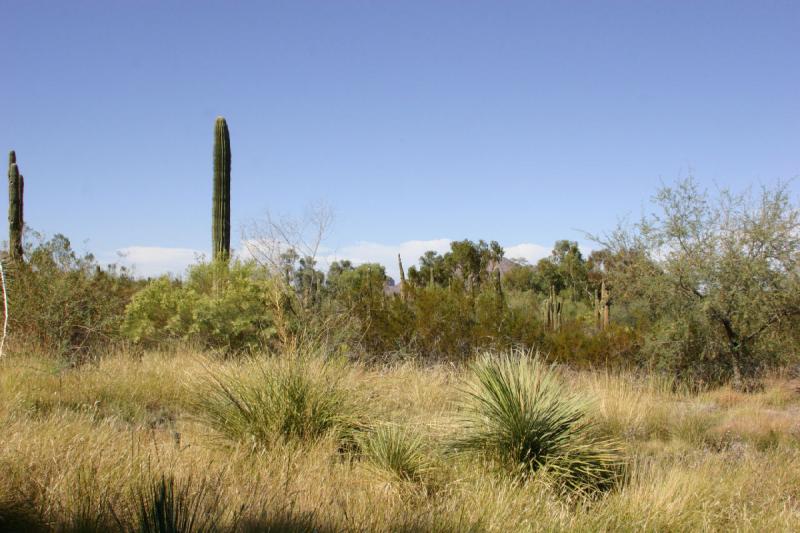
[649, 386]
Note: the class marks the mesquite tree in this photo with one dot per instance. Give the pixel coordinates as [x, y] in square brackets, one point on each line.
[716, 280]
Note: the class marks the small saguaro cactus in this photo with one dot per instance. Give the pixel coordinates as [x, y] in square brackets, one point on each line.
[498, 284]
[605, 306]
[221, 205]
[15, 206]
[602, 307]
[551, 312]
[403, 285]
[500, 301]
[598, 312]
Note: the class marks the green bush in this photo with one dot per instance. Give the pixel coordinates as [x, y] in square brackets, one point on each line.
[220, 307]
[63, 303]
[582, 346]
[160, 312]
[444, 323]
[516, 412]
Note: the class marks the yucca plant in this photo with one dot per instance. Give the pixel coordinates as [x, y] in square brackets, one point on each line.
[396, 453]
[516, 412]
[168, 506]
[287, 400]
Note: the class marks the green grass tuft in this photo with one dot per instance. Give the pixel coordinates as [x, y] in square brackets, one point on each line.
[279, 400]
[395, 453]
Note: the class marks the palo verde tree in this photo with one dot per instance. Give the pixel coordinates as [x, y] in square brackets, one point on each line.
[432, 270]
[720, 277]
[221, 206]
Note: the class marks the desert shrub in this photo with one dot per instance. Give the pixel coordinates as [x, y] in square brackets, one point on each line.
[579, 345]
[283, 400]
[444, 322]
[396, 453]
[159, 313]
[452, 317]
[684, 347]
[516, 412]
[689, 346]
[220, 307]
[65, 304]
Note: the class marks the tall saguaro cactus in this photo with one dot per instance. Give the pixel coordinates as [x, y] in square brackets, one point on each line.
[221, 209]
[16, 185]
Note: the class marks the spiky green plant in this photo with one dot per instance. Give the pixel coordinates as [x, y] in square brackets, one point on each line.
[221, 210]
[515, 411]
[167, 506]
[15, 207]
[288, 400]
[396, 453]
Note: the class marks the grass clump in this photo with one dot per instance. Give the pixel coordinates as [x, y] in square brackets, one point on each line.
[169, 506]
[395, 453]
[516, 412]
[279, 400]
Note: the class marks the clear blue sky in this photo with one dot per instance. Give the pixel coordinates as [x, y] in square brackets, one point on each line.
[516, 121]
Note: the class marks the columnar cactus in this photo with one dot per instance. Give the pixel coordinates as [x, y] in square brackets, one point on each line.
[605, 305]
[15, 207]
[602, 307]
[500, 302]
[551, 312]
[221, 209]
[403, 286]
[598, 310]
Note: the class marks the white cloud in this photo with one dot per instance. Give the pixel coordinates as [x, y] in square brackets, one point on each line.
[528, 251]
[385, 254]
[156, 260]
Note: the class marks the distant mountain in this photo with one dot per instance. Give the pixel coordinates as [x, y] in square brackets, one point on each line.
[504, 265]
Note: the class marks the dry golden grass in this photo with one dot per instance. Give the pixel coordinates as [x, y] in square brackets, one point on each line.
[77, 444]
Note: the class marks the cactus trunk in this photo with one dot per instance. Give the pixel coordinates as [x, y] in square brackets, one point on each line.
[605, 305]
[551, 312]
[221, 210]
[403, 285]
[15, 220]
